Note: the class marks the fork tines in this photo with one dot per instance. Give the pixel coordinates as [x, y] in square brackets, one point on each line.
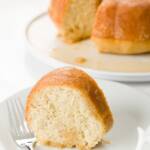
[18, 126]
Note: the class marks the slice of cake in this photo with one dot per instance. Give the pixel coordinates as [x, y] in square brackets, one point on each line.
[66, 108]
[73, 18]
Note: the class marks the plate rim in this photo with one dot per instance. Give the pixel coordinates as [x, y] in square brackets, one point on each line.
[109, 75]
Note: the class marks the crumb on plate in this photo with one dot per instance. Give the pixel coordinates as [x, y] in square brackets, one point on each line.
[80, 60]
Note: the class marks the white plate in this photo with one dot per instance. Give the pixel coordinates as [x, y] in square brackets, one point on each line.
[40, 36]
[130, 109]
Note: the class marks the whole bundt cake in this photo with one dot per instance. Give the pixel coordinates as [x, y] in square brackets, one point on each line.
[123, 26]
[74, 18]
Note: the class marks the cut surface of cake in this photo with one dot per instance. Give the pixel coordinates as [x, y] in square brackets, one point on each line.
[74, 18]
[66, 108]
[123, 26]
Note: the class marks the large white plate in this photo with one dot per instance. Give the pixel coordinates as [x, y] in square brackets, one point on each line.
[130, 109]
[40, 36]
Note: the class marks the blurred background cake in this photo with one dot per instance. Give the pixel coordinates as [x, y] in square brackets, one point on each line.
[119, 26]
[73, 18]
[123, 26]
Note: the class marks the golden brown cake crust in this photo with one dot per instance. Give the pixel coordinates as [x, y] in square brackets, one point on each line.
[79, 80]
[57, 10]
[127, 20]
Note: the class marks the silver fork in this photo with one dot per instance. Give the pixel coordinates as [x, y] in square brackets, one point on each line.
[19, 130]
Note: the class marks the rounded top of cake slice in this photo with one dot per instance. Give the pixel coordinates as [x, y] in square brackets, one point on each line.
[67, 108]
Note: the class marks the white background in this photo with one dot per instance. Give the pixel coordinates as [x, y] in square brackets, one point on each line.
[18, 69]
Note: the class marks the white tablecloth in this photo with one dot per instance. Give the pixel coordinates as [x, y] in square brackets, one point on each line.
[18, 69]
